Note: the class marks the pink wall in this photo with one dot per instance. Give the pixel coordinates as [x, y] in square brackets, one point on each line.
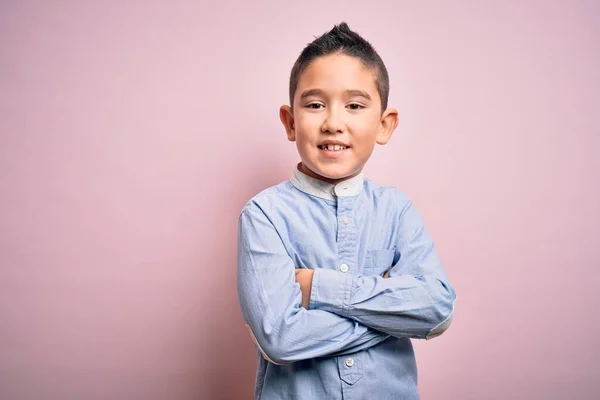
[132, 134]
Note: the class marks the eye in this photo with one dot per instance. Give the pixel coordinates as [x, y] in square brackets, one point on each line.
[355, 106]
[315, 106]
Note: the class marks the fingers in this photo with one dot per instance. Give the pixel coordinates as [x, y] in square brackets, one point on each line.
[387, 273]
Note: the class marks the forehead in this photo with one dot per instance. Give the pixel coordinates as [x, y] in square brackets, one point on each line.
[337, 73]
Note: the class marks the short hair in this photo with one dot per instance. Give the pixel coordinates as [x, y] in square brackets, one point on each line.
[341, 39]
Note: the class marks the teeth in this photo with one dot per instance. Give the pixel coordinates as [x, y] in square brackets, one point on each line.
[334, 147]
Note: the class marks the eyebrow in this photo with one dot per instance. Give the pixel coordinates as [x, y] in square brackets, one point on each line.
[350, 92]
[360, 93]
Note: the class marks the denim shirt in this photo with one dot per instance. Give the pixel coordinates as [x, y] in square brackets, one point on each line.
[354, 340]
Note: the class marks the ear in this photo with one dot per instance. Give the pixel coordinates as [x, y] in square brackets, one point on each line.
[389, 122]
[287, 119]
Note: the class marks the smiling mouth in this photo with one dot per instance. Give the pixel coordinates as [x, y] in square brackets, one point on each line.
[333, 147]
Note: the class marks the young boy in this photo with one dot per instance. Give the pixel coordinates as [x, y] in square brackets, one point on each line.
[336, 273]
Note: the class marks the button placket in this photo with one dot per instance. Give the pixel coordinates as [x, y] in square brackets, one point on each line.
[346, 235]
[347, 248]
[349, 368]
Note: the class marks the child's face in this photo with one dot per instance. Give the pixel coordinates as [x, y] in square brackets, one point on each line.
[336, 118]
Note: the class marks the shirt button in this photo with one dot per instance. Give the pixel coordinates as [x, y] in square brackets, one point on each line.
[346, 220]
[349, 362]
[344, 268]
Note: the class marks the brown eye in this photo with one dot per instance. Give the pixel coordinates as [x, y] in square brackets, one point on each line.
[355, 106]
[314, 106]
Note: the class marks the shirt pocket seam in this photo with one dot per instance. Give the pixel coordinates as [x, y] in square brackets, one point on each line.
[379, 259]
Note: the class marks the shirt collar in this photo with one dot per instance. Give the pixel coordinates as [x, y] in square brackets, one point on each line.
[325, 190]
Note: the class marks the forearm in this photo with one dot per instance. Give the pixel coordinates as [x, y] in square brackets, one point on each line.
[402, 306]
[299, 334]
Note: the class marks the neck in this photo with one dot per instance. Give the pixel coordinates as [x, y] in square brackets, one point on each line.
[312, 174]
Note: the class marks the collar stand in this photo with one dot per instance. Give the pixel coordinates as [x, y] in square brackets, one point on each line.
[325, 190]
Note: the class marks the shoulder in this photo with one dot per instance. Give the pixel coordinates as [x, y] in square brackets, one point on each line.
[386, 193]
[268, 198]
[395, 204]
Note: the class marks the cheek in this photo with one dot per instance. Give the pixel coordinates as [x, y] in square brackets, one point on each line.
[302, 139]
[304, 144]
[366, 148]
[366, 134]
[370, 123]
[305, 134]
[309, 122]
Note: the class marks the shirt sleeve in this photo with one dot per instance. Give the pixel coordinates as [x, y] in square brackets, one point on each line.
[271, 301]
[416, 300]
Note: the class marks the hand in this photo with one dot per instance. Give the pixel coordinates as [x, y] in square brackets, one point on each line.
[304, 277]
[387, 273]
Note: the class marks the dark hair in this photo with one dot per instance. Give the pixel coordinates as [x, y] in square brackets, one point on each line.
[342, 40]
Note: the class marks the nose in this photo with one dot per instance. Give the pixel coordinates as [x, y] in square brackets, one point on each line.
[333, 122]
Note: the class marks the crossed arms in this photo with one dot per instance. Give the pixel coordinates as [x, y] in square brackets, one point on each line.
[296, 314]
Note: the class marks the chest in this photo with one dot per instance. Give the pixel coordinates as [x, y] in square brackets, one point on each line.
[349, 236]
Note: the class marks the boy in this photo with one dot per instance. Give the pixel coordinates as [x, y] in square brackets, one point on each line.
[336, 273]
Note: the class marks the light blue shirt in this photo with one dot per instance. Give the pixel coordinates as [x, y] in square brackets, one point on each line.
[353, 341]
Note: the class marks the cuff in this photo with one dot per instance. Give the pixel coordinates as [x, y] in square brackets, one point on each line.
[331, 290]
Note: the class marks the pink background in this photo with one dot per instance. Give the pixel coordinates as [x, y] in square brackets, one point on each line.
[131, 134]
